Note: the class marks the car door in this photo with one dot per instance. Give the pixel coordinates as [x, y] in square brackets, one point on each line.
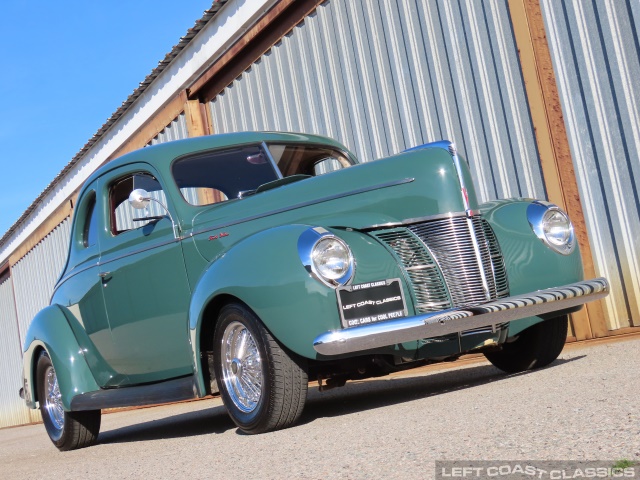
[80, 290]
[145, 286]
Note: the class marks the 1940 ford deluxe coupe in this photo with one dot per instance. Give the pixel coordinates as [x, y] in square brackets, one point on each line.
[249, 263]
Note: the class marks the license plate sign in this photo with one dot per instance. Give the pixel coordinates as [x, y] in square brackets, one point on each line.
[372, 302]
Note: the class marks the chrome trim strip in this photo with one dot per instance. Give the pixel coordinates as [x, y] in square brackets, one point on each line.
[304, 204]
[476, 251]
[140, 250]
[464, 191]
[366, 337]
[70, 275]
[101, 263]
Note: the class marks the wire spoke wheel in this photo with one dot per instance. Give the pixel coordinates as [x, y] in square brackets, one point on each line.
[263, 386]
[53, 400]
[242, 367]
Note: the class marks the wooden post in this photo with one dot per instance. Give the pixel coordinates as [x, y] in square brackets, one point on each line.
[553, 143]
[197, 124]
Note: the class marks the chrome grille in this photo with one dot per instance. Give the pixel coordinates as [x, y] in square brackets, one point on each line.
[443, 266]
[451, 243]
[427, 283]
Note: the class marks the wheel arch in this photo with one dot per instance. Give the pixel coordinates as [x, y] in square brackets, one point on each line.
[277, 288]
[210, 314]
[50, 331]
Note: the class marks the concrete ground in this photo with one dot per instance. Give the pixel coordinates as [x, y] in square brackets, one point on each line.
[583, 407]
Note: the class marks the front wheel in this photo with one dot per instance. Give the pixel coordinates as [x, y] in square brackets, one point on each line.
[536, 347]
[67, 430]
[263, 386]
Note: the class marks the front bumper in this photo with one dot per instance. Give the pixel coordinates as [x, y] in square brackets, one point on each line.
[366, 337]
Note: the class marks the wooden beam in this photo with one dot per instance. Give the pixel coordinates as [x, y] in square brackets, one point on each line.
[265, 33]
[208, 119]
[196, 124]
[153, 126]
[553, 143]
[625, 331]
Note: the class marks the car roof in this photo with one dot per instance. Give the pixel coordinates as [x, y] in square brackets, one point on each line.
[163, 154]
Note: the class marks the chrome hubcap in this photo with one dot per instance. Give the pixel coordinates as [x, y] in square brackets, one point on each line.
[241, 367]
[53, 400]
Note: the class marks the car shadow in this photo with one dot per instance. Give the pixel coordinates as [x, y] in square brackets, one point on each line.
[190, 424]
[354, 397]
[386, 391]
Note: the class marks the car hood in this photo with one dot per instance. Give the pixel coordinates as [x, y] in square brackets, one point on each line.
[410, 185]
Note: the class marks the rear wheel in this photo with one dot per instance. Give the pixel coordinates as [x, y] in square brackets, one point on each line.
[67, 430]
[263, 386]
[536, 347]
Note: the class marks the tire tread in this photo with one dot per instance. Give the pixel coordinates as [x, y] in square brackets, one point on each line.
[80, 429]
[286, 371]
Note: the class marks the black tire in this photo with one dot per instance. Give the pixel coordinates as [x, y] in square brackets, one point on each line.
[536, 347]
[67, 430]
[278, 378]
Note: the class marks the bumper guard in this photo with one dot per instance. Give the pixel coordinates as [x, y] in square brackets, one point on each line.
[456, 320]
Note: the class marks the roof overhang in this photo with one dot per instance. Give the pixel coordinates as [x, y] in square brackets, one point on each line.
[218, 29]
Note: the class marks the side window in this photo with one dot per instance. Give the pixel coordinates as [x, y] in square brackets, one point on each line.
[90, 230]
[123, 216]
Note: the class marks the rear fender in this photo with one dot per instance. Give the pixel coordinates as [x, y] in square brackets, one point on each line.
[50, 331]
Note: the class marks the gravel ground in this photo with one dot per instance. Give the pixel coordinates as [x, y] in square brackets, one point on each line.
[583, 407]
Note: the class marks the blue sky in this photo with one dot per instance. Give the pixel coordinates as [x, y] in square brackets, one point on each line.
[66, 66]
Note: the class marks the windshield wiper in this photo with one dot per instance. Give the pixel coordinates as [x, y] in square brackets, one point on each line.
[280, 182]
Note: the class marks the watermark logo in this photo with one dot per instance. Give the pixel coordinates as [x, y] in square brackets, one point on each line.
[543, 470]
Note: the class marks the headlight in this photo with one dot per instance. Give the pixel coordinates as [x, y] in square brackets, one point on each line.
[331, 258]
[326, 257]
[552, 226]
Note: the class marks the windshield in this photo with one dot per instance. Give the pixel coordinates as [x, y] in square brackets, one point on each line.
[218, 176]
[307, 159]
[222, 175]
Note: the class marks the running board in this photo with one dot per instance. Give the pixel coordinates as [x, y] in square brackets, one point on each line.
[168, 391]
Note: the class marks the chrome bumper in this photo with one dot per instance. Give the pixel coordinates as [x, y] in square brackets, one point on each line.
[446, 322]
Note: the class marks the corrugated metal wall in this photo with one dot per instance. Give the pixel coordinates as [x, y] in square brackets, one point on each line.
[33, 278]
[596, 58]
[176, 130]
[31, 284]
[35, 274]
[382, 76]
[12, 408]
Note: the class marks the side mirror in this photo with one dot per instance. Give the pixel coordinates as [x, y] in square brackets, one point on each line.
[139, 198]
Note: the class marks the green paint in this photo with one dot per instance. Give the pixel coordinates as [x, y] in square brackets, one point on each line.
[143, 321]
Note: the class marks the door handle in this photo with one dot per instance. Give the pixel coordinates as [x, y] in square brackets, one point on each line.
[104, 274]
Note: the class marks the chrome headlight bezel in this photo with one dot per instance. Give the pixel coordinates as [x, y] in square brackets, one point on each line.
[309, 243]
[540, 215]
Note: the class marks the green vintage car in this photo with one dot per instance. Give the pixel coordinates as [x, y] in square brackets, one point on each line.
[250, 263]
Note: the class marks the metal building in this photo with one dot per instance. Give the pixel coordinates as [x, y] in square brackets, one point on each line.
[537, 94]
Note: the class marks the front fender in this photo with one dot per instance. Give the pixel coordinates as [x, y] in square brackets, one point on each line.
[265, 272]
[50, 331]
[530, 264]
